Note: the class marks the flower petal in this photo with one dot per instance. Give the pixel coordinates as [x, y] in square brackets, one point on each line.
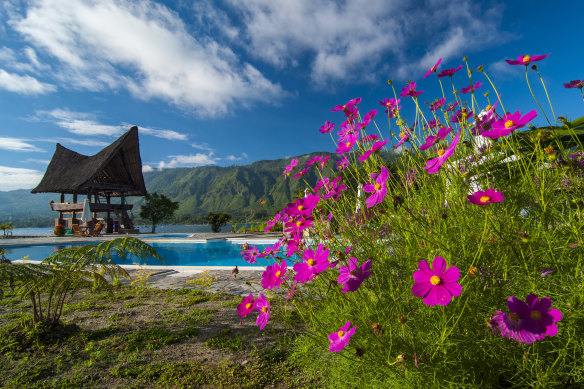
[452, 274]
[438, 266]
[421, 289]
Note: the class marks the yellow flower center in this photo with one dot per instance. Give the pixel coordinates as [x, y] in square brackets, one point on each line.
[353, 273]
[485, 199]
[264, 309]
[298, 223]
[473, 271]
[435, 280]
[514, 316]
[509, 124]
[440, 151]
[433, 68]
[402, 134]
[526, 58]
[310, 262]
[348, 144]
[536, 315]
[248, 306]
[300, 207]
[278, 273]
[341, 334]
[488, 107]
[377, 186]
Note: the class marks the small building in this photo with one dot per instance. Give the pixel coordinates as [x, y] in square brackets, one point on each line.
[114, 172]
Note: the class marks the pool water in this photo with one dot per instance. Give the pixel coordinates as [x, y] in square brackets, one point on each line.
[212, 253]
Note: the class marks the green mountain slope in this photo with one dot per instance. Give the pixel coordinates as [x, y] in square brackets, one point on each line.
[236, 190]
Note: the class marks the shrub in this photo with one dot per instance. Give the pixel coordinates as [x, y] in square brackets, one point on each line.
[59, 230]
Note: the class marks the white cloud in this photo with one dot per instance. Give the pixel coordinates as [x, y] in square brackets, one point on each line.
[357, 40]
[26, 85]
[202, 146]
[191, 160]
[147, 168]
[80, 123]
[145, 48]
[16, 144]
[39, 161]
[12, 178]
[234, 158]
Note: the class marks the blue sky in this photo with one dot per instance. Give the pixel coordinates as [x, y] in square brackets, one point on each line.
[231, 82]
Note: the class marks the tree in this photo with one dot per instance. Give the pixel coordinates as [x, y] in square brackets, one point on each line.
[6, 226]
[217, 220]
[157, 208]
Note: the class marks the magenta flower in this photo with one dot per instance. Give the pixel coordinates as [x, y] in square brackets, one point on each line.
[437, 285]
[340, 338]
[348, 106]
[410, 90]
[246, 307]
[542, 319]
[432, 69]
[313, 263]
[508, 123]
[433, 165]
[449, 72]
[471, 88]
[347, 145]
[251, 254]
[290, 167]
[301, 173]
[432, 124]
[461, 115]
[263, 305]
[433, 139]
[483, 197]
[392, 106]
[343, 164]
[270, 251]
[351, 277]
[379, 189]
[322, 163]
[274, 275]
[451, 108]
[574, 84]
[404, 137]
[377, 146]
[327, 127]
[298, 225]
[526, 59]
[312, 161]
[439, 103]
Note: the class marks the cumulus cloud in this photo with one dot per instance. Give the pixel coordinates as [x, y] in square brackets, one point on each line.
[147, 168]
[190, 160]
[145, 48]
[17, 144]
[234, 158]
[365, 37]
[25, 85]
[12, 178]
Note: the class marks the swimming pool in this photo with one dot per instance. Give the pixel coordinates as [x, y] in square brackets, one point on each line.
[211, 253]
[166, 236]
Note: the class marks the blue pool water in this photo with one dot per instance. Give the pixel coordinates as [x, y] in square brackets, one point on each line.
[212, 253]
[167, 236]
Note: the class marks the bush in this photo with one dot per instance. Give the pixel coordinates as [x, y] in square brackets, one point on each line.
[59, 230]
[453, 259]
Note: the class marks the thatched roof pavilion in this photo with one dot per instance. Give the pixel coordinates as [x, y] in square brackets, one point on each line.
[116, 171]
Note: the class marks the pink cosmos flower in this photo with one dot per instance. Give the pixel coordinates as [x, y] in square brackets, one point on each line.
[410, 90]
[379, 189]
[449, 72]
[347, 145]
[347, 129]
[322, 163]
[343, 164]
[274, 275]
[298, 225]
[508, 123]
[461, 115]
[272, 222]
[471, 88]
[340, 338]
[526, 59]
[432, 124]
[574, 84]
[327, 127]
[271, 251]
[433, 165]
[348, 107]
[290, 167]
[303, 206]
[312, 161]
[483, 197]
[527, 321]
[436, 105]
[437, 285]
[263, 305]
[301, 173]
[369, 138]
[313, 263]
[246, 307]
[433, 68]
[451, 108]
[433, 139]
[392, 106]
[294, 243]
[377, 146]
[251, 254]
[404, 137]
[322, 182]
[351, 277]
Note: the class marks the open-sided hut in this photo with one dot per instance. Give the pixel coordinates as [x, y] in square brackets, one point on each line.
[116, 171]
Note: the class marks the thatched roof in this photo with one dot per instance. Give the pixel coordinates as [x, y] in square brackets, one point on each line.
[114, 171]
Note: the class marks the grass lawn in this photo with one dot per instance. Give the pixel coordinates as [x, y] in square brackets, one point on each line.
[145, 337]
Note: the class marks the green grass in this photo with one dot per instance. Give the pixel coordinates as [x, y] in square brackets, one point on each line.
[224, 339]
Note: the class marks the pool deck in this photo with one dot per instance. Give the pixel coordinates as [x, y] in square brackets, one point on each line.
[220, 278]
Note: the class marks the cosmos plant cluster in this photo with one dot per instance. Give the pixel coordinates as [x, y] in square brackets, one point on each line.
[298, 261]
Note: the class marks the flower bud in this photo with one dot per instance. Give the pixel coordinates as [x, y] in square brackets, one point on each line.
[402, 319]
[534, 67]
[389, 82]
[480, 68]
[473, 271]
